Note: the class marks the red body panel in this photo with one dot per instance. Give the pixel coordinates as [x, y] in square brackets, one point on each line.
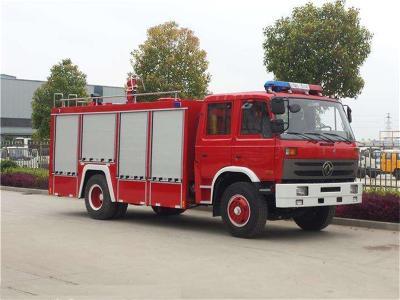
[166, 194]
[129, 191]
[66, 186]
[132, 192]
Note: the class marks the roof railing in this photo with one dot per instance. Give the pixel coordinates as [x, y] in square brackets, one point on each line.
[65, 102]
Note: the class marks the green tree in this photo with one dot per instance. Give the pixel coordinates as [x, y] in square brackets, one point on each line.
[323, 45]
[171, 59]
[65, 78]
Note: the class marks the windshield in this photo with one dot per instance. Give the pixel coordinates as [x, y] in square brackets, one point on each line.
[317, 119]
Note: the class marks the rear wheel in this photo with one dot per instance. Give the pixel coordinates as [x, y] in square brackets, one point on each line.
[243, 210]
[167, 211]
[97, 199]
[121, 210]
[315, 218]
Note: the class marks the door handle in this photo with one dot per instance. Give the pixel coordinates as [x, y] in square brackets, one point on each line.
[204, 155]
[238, 157]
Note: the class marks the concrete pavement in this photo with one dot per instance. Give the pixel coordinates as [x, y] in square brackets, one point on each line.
[51, 249]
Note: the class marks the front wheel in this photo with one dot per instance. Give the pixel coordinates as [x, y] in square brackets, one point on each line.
[243, 210]
[315, 218]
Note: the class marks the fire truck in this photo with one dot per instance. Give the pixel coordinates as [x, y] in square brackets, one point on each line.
[286, 152]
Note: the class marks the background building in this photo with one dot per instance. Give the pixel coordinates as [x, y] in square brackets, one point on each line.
[16, 98]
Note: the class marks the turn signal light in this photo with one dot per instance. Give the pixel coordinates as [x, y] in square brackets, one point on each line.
[290, 151]
[354, 189]
[302, 191]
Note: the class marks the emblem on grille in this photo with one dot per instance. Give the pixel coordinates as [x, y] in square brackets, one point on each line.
[327, 168]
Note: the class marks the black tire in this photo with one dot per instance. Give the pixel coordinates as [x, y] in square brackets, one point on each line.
[372, 173]
[106, 209]
[396, 174]
[167, 211]
[315, 218]
[121, 210]
[253, 221]
[361, 173]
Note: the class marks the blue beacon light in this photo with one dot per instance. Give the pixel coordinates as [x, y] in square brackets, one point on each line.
[277, 86]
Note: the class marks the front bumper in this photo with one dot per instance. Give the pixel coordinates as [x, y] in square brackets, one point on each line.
[319, 194]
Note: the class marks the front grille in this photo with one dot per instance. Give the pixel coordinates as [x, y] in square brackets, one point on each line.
[319, 173]
[312, 170]
[318, 180]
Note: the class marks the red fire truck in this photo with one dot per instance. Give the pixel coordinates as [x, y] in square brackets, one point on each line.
[286, 152]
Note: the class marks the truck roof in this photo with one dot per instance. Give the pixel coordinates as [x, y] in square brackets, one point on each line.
[263, 94]
[162, 103]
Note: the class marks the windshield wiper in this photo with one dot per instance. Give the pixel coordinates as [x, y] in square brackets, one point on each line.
[347, 141]
[303, 135]
[325, 138]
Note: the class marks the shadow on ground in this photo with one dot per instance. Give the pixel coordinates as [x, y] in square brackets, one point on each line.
[204, 222]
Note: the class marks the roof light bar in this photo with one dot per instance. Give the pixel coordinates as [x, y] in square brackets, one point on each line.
[283, 86]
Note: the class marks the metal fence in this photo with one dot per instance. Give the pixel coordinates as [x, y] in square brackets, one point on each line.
[26, 153]
[379, 167]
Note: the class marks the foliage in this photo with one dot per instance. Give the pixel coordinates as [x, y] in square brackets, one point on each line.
[65, 78]
[383, 192]
[25, 177]
[171, 59]
[322, 45]
[18, 180]
[6, 164]
[376, 205]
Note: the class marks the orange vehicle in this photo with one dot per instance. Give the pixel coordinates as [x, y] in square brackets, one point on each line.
[390, 162]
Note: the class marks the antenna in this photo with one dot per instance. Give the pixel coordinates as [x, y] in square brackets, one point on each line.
[388, 122]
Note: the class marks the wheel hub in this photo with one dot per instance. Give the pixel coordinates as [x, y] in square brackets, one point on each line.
[239, 210]
[96, 197]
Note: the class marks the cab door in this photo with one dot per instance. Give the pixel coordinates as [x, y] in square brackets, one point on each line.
[213, 146]
[253, 145]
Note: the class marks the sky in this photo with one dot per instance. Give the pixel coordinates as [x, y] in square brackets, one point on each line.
[99, 35]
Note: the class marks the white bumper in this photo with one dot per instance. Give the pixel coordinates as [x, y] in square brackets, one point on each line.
[319, 194]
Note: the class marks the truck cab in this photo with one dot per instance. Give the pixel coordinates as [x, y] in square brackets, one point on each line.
[289, 146]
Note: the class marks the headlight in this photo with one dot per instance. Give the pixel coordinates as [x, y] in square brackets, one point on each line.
[302, 191]
[354, 189]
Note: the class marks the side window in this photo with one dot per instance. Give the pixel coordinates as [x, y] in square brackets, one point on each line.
[388, 155]
[255, 119]
[219, 119]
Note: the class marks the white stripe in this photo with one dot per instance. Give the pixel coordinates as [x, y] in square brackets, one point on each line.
[205, 186]
[235, 169]
[106, 172]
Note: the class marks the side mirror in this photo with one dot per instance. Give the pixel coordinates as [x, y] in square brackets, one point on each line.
[278, 106]
[349, 117]
[277, 126]
[294, 108]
